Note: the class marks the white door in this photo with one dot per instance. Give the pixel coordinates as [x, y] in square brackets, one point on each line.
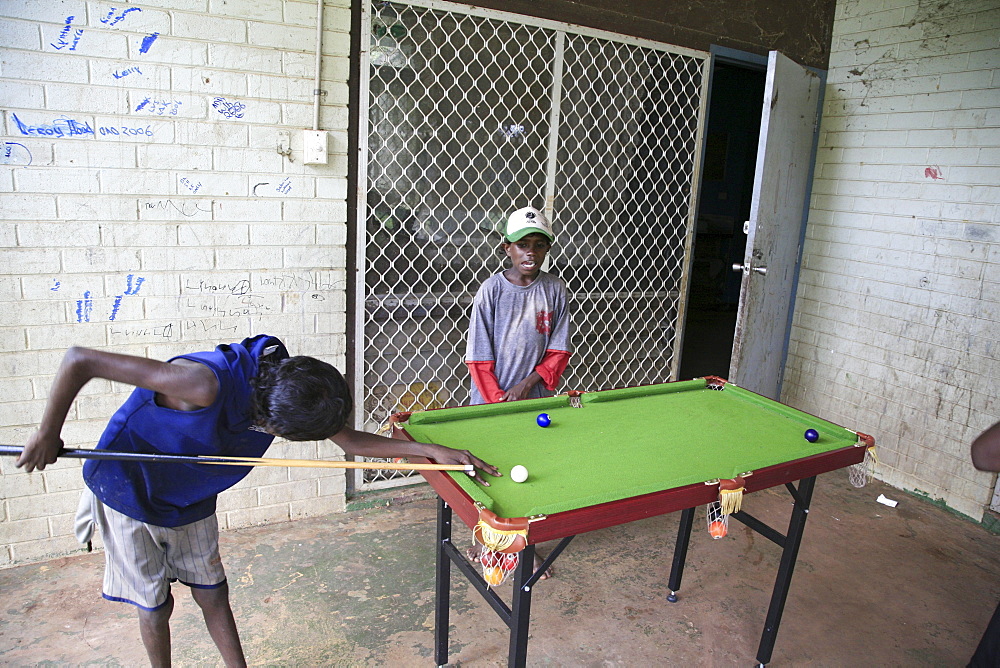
[792, 96]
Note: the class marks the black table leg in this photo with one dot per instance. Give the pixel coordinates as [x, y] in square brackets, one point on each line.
[442, 584]
[680, 553]
[521, 608]
[796, 527]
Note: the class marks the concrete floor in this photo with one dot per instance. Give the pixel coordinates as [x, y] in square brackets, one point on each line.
[874, 586]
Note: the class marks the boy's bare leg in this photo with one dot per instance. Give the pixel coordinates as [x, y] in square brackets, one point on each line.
[214, 604]
[538, 564]
[154, 626]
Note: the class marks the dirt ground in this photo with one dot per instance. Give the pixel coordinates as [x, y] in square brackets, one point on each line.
[874, 586]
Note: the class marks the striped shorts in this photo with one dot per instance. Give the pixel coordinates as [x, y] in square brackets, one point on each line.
[141, 560]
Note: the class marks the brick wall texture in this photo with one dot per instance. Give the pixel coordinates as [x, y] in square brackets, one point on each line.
[145, 209]
[895, 330]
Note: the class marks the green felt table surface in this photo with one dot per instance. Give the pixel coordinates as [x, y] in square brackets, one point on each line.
[622, 443]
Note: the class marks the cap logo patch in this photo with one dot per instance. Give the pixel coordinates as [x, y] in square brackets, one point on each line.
[529, 215]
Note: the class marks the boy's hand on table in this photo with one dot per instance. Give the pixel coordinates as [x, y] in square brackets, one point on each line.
[451, 456]
[522, 389]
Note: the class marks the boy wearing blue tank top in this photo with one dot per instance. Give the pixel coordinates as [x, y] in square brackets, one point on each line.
[158, 520]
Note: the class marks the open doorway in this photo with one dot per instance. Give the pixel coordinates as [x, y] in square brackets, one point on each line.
[723, 205]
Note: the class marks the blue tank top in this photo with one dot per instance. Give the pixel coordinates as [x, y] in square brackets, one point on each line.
[169, 494]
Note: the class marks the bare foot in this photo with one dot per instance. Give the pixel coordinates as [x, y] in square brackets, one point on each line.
[548, 573]
[473, 553]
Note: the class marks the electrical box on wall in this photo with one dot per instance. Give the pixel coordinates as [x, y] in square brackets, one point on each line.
[315, 147]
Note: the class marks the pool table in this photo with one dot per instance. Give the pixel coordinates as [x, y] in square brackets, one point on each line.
[615, 456]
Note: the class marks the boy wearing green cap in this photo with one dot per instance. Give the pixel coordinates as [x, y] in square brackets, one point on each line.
[519, 332]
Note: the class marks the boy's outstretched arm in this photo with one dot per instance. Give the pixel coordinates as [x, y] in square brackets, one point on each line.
[184, 386]
[363, 444]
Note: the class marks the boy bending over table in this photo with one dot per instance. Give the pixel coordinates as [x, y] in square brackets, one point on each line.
[158, 520]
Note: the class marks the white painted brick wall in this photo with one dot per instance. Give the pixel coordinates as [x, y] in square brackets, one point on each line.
[895, 327]
[144, 147]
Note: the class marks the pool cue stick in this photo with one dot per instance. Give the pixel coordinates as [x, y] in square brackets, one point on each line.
[80, 453]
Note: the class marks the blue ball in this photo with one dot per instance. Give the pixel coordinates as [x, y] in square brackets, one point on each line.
[543, 420]
[812, 435]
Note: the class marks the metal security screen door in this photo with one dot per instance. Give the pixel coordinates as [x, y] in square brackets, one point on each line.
[473, 115]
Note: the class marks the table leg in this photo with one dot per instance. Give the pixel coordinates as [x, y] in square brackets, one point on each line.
[796, 527]
[680, 553]
[521, 609]
[442, 584]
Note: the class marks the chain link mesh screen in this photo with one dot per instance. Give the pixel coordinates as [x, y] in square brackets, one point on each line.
[459, 125]
[626, 155]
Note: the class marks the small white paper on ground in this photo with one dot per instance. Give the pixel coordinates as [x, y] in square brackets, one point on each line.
[883, 499]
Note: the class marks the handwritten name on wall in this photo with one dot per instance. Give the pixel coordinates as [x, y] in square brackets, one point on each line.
[60, 127]
[114, 17]
[69, 36]
[121, 74]
[64, 127]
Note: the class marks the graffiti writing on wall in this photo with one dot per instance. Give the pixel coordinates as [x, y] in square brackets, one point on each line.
[15, 154]
[126, 131]
[121, 74]
[63, 127]
[60, 127]
[159, 107]
[112, 19]
[186, 209]
[147, 42]
[190, 185]
[227, 108]
[68, 36]
[85, 305]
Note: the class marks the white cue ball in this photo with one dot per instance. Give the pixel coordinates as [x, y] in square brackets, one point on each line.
[519, 473]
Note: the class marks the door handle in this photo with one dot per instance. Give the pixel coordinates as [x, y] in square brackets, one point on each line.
[746, 270]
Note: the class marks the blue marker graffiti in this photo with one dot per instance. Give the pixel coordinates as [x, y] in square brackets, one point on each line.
[84, 307]
[15, 154]
[60, 127]
[285, 186]
[158, 107]
[227, 108]
[111, 19]
[64, 34]
[193, 187]
[55, 285]
[148, 42]
[132, 285]
[115, 307]
[120, 74]
[133, 289]
[126, 131]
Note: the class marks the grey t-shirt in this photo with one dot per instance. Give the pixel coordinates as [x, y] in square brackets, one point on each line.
[513, 326]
